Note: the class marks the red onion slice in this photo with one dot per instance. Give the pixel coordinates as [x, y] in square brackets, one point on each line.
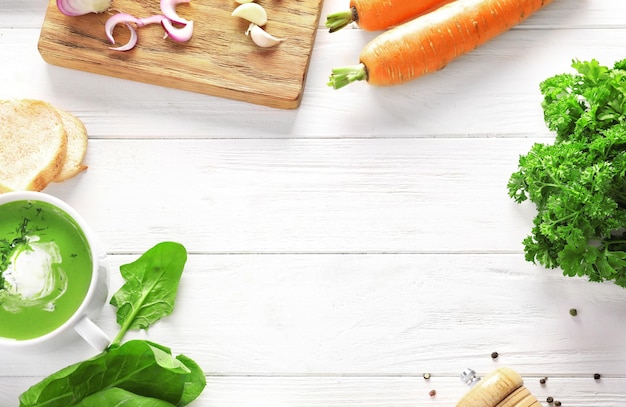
[168, 8]
[81, 7]
[155, 19]
[122, 18]
[182, 34]
[178, 34]
[131, 42]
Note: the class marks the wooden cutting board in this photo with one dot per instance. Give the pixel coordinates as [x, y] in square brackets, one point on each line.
[219, 60]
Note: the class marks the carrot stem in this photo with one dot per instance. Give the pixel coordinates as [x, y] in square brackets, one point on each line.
[345, 75]
[337, 21]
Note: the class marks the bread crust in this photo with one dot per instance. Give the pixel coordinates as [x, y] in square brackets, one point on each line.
[76, 146]
[33, 144]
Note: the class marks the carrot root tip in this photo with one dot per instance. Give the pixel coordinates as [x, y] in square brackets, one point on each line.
[343, 76]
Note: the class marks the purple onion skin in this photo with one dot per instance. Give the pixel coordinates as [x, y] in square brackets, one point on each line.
[66, 7]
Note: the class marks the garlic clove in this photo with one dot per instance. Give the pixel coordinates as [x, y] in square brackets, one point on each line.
[252, 12]
[261, 37]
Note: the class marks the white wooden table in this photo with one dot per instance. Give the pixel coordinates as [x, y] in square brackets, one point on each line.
[341, 250]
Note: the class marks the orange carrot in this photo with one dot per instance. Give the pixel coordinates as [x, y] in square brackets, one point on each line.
[374, 15]
[427, 43]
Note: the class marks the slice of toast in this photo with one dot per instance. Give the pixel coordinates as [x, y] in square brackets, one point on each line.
[76, 146]
[33, 144]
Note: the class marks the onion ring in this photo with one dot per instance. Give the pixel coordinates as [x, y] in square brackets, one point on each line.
[168, 8]
[155, 19]
[126, 19]
[182, 34]
[81, 7]
[178, 34]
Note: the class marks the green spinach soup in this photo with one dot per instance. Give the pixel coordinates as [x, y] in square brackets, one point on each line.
[45, 268]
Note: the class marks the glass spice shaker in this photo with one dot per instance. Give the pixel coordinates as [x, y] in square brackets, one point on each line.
[501, 388]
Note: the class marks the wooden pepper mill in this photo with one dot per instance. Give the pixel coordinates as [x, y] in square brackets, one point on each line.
[502, 388]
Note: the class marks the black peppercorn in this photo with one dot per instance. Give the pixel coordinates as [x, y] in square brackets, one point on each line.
[549, 399]
[597, 376]
[543, 380]
[557, 403]
[494, 355]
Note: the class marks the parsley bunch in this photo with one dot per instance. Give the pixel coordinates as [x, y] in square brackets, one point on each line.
[578, 183]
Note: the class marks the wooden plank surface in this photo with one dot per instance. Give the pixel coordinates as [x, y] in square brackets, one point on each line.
[342, 322]
[370, 391]
[380, 314]
[340, 250]
[219, 59]
[283, 196]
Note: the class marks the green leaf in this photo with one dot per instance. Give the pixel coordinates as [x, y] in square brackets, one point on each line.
[591, 70]
[139, 367]
[136, 373]
[121, 398]
[150, 288]
[195, 380]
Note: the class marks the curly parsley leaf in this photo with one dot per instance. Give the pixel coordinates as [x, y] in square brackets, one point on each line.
[578, 183]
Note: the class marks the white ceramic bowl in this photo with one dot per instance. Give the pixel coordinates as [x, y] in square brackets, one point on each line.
[81, 322]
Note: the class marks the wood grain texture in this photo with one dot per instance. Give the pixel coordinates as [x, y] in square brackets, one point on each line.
[503, 387]
[219, 60]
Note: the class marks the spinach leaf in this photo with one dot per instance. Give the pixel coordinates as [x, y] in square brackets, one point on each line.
[138, 372]
[139, 367]
[121, 398]
[150, 288]
[195, 381]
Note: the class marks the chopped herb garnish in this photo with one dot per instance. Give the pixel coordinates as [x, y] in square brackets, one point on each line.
[8, 246]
